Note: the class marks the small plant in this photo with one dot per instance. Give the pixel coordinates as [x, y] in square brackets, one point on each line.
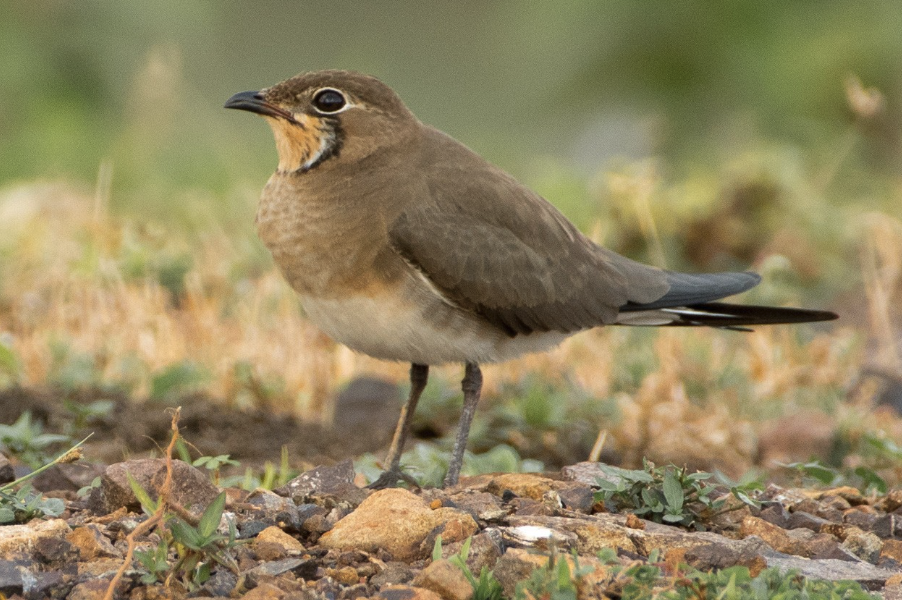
[667, 494]
[486, 587]
[26, 440]
[82, 414]
[25, 504]
[85, 491]
[213, 464]
[862, 477]
[19, 502]
[197, 549]
[176, 380]
[555, 580]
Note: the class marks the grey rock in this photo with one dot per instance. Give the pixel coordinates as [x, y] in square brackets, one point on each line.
[275, 510]
[863, 544]
[776, 515]
[579, 498]
[587, 473]
[319, 480]
[190, 487]
[51, 584]
[11, 578]
[804, 520]
[724, 553]
[394, 573]
[54, 551]
[67, 477]
[220, 584]
[7, 474]
[869, 576]
[481, 505]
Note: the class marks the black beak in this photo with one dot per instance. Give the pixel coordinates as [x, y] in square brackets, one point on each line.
[256, 103]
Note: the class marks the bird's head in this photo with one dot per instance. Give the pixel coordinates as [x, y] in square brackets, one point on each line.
[320, 115]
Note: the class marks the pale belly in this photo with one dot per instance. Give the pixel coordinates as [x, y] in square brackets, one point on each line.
[393, 327]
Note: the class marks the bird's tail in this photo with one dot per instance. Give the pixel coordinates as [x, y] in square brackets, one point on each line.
[723, 316]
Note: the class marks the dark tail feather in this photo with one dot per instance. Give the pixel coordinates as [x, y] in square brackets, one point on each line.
[740, 316]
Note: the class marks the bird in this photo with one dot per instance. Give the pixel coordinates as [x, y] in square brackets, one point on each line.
[405, 245]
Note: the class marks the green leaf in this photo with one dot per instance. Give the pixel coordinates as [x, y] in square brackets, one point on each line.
[7, 515]
[673, 491]
[148, 504]
[437, 549]
[209, 521]
[186, 535]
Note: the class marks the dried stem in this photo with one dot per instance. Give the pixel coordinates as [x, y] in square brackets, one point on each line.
[158, 515]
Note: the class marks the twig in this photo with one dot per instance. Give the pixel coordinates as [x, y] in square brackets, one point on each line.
[158, 515]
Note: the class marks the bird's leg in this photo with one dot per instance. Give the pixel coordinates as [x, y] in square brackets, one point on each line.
[471, 386]
[419, 374]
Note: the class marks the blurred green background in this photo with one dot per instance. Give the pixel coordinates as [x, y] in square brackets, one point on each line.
[554, 92]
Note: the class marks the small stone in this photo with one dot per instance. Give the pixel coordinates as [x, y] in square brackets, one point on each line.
[274, 544]
[154, 592]
[446, 580]
[91, 543]
[867, 575]
[586, 473]
[344, 575]
[892, 549]
[319, 480]
[17, 539]
[406, 592]
[885, 526]
[580, 498]
[355, 592]
[94, 589]
[805, 520]
[485, 550]
[394, 573]
[10, 578]
[98, 568]
[848, 493]
[773, 536]
[55, 551]
[860, 519]
[776, 514]
[67, 477]
[525, 485]
[864, 545]
[273, 509]
[190, 487]
[274, 568]
[891, 502]
[634, 522]
[7, 473]
[481, 505]
[589, 534]
[398, 521]
[264, 591]
[51, 584]
[518, 564]
[221, 583]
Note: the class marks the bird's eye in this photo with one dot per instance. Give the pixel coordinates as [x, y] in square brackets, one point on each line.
[329, 101]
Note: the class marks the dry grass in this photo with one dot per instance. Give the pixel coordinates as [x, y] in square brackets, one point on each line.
[76, 279]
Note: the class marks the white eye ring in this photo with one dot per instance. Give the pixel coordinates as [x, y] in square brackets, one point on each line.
[330, 101]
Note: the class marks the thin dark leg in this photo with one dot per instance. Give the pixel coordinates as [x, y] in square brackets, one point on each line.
[471, 386]
[419, 374]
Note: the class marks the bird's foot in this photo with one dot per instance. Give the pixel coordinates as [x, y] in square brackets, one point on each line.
[392, 478]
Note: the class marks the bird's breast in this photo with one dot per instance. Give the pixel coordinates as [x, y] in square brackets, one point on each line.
[324, 247]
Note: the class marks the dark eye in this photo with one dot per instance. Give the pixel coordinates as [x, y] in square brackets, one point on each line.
[329, 101]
